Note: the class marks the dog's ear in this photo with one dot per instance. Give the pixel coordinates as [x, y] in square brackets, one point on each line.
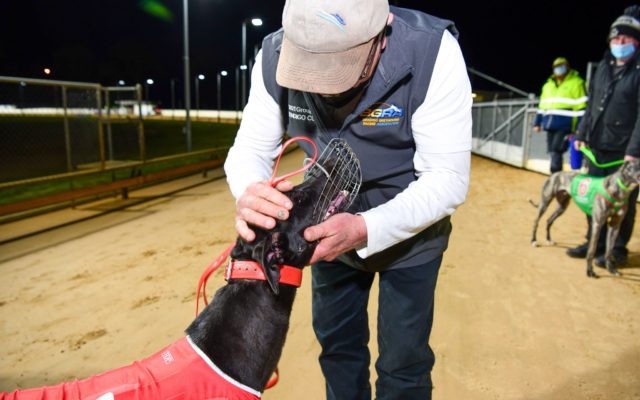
[634, 166]
[264, 255]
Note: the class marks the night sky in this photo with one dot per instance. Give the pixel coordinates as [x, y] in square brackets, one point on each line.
[110, 40]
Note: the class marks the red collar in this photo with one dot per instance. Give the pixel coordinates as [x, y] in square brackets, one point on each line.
[252, 270]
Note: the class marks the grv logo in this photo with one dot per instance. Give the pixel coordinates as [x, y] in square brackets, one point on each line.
[382, 114]
[167, 357]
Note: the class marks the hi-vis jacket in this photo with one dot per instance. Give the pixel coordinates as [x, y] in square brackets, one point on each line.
[411, 131]
[562, 105]
[181, 371]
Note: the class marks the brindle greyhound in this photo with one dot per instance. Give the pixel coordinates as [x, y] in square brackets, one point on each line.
[604, 211]
[233, 346]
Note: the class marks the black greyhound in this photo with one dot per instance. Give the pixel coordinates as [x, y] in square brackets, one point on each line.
[241, 333]
[258, 323]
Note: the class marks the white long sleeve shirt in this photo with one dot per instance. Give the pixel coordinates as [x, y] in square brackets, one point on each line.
[441, 128]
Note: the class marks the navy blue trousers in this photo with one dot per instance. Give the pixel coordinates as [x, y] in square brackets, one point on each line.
[557, 144]
[405, 317]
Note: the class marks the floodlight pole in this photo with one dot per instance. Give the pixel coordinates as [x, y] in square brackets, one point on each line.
[237, 94]
[244, 61]
[173, 98]
[219, 90]
[187, 74]
[254, 22]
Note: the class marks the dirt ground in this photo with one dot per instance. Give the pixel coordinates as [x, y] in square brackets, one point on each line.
[84, 291]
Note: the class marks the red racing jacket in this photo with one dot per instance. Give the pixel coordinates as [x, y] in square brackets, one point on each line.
[181, 371]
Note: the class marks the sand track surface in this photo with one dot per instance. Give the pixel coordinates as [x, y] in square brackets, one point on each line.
[84, 291]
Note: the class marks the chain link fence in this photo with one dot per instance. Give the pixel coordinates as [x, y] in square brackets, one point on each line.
[53, 127]
[64, 142]
[123, 124]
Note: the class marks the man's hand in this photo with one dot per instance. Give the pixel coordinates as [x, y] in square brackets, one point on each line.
[537, 128]
[578, 143]
[260, 205]
[630, 158]
[338, 234]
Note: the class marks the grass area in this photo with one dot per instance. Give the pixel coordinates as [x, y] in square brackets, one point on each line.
[166, 137]
[162, 138]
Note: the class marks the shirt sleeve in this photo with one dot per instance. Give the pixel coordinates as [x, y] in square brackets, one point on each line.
[259, 138]
[442, 134]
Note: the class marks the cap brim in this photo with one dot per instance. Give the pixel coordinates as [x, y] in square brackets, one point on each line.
[324, 73]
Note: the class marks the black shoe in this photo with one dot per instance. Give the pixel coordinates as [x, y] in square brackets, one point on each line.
[578, 251]
[581, 251]
[619, 259]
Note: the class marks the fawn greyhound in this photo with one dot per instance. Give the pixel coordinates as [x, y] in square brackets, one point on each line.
[232, 348]
[607, 207]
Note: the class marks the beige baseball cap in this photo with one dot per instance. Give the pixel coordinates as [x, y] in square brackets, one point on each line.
[327, 42]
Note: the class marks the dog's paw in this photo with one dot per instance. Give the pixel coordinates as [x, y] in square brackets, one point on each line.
[591, 274]
[614, 272]
[551, 242]
[534, 244]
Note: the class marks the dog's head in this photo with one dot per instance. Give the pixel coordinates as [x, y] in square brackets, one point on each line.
[630, 172]
[285, 244]
[330, 186]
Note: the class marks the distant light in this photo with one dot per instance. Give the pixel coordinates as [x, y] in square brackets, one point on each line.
[474, 95]
[157, 9]
[121, 82]
[201, 77]
[23, 83]
[150, 81]
[47, 71]
[224, 73]
[243, 67]
[256, 22]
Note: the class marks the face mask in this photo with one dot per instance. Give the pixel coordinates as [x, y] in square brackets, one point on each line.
[560, 70]
[622, 51]
[340, 100]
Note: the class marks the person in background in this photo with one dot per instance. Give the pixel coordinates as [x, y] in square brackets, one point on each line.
[393, 83]
[562, 103]
[611, 125]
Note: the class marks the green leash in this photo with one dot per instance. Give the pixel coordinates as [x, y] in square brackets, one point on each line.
[587, 152]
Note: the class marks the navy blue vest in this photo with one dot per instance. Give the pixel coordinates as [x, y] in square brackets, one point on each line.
[379, 129]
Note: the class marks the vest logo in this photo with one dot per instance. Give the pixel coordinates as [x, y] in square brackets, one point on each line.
[382, 114]
[300, 113]
[106, 396]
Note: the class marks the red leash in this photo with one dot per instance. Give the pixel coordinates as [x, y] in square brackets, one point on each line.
[274, 181]
[202, 283]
